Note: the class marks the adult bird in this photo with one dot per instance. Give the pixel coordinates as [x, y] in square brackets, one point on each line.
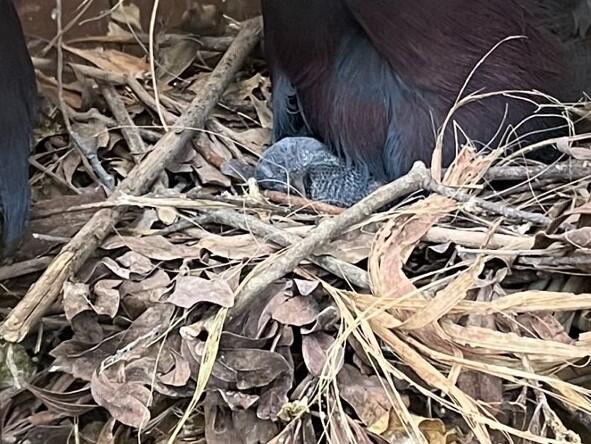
[363, 86]
[18, 93]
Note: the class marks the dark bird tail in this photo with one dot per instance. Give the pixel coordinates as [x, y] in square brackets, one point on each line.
[18, 94]
[14, 186]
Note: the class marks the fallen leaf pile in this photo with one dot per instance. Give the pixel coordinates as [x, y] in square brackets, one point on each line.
[459, 315]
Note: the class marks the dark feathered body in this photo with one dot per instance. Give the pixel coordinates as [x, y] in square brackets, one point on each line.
[17, 109]
[374, 79]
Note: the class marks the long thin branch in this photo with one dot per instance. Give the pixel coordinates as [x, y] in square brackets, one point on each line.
[484, 205]
[47, 289]
[568, 170]
[418, 178]
[346, 271]
[278, 266]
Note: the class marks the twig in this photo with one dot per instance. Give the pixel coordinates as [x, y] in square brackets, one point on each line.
[207, 43]
[90, 160]
[57, 40]
[302, 203]
[23, 268]
[47, 289]
[128, 129]
[54, 176]
[476, 239]
[278, 266]
[148, 100]
[569, 170]
[418, 178]
[90, 71]
[555, 263]
[346, 271]
[492, 207]
[147, 134]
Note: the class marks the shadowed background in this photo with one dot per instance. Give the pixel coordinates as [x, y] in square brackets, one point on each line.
[38, 22]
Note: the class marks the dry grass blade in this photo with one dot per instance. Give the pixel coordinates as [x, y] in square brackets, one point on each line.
[208, 361]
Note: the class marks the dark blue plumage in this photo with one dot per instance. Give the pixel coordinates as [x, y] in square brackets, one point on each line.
[375, 79]
[18, 93]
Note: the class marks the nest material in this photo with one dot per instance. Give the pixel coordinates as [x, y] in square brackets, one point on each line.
[204, 309]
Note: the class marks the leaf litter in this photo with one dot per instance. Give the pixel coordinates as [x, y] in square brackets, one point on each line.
[458, 320]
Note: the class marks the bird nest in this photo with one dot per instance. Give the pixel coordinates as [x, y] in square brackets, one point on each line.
[163, 295]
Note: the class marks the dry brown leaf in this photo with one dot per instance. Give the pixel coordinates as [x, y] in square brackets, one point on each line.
[243, 89]
[253, 140]
[208, 174]
[397, 239]
[50, 90]
[213, 149]
[154, 247]
[315, 349]
[76, 299]
[106, 435]
[179, 375]
[159, 279]
[565, 145]
[297, 311]
[240, 247]
[578, 238]
[112, 60]
[484, 388]
[306, 288]
[136, 263]
[352, 247]
[107, 297]
[253, 368]
[80, 359]
[435, 430]
[114, 267]
[127, 15]
[175, 58]
[238, 400]
[117, 32]
[67, 403]
[126, 402]
[366, 395]
[191, 290]
[224, 426]
[70, 165]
